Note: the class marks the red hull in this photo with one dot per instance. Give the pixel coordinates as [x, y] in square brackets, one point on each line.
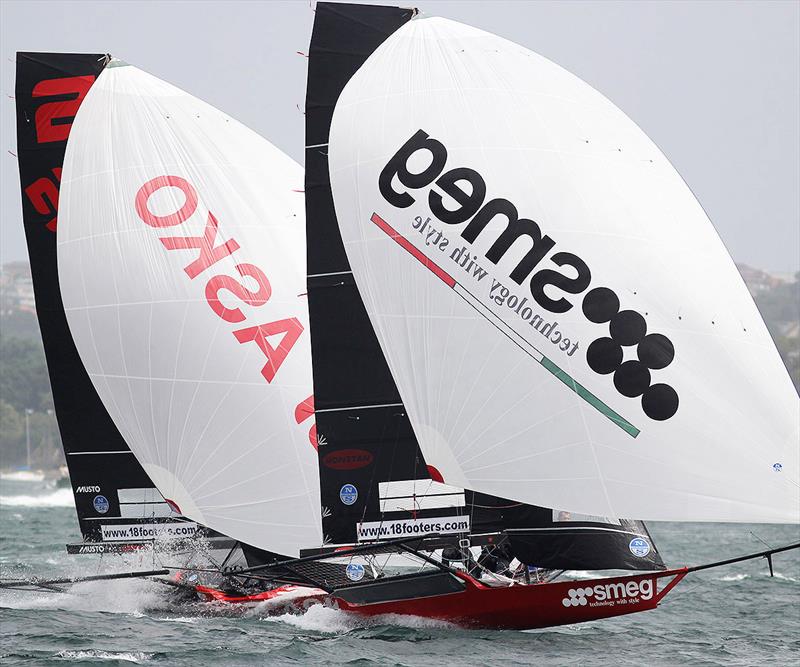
[515, 607]
[527, 607]
[296, 597]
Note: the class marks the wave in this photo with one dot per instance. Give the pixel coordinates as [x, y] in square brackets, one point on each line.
[317, 618]
[132, 597]
[327, 620]
[23, 476]
[91, 654]
[58, 498]
[734, 577]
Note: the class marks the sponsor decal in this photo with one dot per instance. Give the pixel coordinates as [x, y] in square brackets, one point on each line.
[607, 595]
[347, 459]
[87, 489]
[92, 549]
[639, 547]
[777, 467]
[348, 494]
[389, 530]
[53, 121]
[173, 506]
[148, 531]
[192, 577]
[549, 330]
[554, 275]
[303, 411]
[355, 571]
[203, 252]
[101, 504]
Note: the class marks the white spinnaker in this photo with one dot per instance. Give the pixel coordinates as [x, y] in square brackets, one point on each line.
[494, 400]
[156, 321]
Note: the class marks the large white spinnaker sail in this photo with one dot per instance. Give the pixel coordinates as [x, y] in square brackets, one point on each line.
[181, 253]
[563, 323]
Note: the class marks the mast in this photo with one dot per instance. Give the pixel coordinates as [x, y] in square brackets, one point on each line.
[111, 489]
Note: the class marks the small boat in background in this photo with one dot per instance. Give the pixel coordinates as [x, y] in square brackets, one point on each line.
[23, 475]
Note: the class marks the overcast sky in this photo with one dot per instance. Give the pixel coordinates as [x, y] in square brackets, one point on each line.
[715, 84]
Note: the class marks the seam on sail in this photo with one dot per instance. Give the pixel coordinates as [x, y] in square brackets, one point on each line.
[334, 273]
[363, 407]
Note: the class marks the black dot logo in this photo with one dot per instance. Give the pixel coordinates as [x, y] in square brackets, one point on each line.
[656, 351]
[600, 305]
[660, 402]
[632, 379]
[628, 328]
[604, 356]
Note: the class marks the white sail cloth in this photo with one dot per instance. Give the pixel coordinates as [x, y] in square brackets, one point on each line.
[563, 323]
[181, 253]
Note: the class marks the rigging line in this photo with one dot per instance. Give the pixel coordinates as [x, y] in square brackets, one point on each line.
[769, 546]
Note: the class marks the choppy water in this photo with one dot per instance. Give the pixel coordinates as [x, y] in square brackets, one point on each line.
[736, 615]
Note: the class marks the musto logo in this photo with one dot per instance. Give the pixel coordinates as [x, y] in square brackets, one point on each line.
[607, 595]
[549, 287]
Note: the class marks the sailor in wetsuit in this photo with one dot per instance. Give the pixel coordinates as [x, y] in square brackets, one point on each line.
[456, 557]
[496, 558]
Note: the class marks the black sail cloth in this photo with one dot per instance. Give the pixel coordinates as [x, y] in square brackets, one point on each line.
[111, 489]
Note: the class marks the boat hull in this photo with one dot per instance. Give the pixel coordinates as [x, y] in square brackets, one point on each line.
[521, 607]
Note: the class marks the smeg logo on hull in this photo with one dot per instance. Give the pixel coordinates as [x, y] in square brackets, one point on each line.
[549, 286]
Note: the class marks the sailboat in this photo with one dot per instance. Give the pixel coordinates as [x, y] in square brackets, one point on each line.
[131, 122]
[467, 373]
[119, 507]
[443, 167]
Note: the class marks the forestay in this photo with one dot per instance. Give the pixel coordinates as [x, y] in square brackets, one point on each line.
[563, 323]
[181, 252]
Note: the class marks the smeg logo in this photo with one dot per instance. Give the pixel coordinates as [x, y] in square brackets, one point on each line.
[632, 378]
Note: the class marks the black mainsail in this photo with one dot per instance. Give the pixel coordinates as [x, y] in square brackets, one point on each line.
[116, 502]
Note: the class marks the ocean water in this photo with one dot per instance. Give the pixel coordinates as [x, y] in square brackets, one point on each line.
[735, 615]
